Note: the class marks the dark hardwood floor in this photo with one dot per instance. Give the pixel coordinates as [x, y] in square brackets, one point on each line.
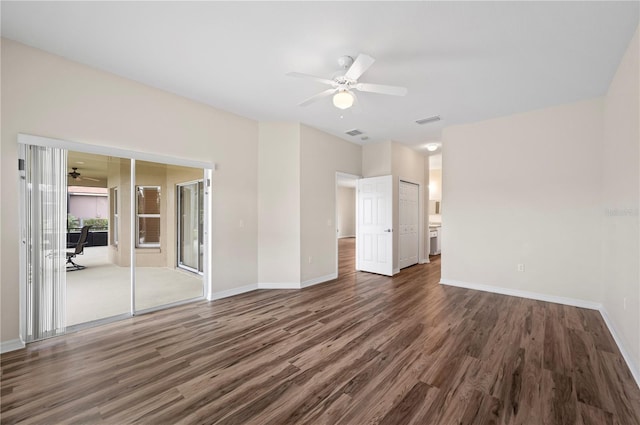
[362, 349]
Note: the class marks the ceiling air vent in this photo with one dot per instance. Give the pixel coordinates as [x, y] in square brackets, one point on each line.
[364, 138]
[354, 132]
[428, 119]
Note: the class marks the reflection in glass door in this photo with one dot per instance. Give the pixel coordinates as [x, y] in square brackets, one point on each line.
[159, 281]
[190, 225]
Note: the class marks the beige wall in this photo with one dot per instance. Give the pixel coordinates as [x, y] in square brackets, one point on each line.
[321, 156]
[46, 95]
[525, 189]
[346, 217]
[435, 184]
[621, 190]
[376, 159]
[279, 203]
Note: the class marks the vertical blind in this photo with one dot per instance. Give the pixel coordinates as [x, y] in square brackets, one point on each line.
[45, 210]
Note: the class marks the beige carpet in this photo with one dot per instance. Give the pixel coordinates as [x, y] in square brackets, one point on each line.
[103, 290]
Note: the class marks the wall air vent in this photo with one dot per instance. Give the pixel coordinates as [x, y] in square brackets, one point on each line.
[354, 132]
[428, 119]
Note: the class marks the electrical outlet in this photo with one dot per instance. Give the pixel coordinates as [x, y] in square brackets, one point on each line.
[624, 303]
[241, 224]
[521, 267]
[329, 223]
[310, 259]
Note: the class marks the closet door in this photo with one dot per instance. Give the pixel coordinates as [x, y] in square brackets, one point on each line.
[409, 212]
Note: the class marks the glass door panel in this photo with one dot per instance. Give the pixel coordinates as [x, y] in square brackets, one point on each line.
[158, 279]
[99, 286]
[190, 226]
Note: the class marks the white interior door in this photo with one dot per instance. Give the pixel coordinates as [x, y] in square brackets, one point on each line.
[408, 211]
[374, 244]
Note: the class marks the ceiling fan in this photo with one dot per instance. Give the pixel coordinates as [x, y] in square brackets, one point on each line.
[345, 82]
[76, 175]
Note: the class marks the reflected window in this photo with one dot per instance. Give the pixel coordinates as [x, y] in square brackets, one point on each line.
[148, 216]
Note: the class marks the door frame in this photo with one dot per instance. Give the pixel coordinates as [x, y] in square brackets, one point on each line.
[207, 167]
[335, 219]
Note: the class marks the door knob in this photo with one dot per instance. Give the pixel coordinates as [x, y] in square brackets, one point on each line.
[388, 230]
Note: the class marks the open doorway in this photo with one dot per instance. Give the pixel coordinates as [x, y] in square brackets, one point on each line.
[435, 204]
[346, 186]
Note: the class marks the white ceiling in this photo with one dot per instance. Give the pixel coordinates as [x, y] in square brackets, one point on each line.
[465, 61]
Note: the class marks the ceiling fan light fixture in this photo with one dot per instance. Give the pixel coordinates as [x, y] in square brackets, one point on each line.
[343, 99]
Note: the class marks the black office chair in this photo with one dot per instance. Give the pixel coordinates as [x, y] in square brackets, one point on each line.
[84, 234]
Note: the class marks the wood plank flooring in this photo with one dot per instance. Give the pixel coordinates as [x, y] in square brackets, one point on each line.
[364, 349]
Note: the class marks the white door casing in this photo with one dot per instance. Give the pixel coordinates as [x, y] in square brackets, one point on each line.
[374, 243]
[408, 220]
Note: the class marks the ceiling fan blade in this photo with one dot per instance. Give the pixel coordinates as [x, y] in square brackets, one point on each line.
[312, 77]
[361, 64]
[91, 179]
[381, 89]
[318, 96]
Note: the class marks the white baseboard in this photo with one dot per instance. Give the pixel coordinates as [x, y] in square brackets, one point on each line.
[523, 294]
[318, 280]
[233, 291]
[396, 271]
[635, 369]
[290, 285]
[295, 285]
[11, 345]
[267, 285]
[425, 261]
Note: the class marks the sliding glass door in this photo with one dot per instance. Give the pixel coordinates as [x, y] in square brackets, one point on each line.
[105, 237]
[190, 226]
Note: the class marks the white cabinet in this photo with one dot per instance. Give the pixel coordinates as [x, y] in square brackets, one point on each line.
[434, 240]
